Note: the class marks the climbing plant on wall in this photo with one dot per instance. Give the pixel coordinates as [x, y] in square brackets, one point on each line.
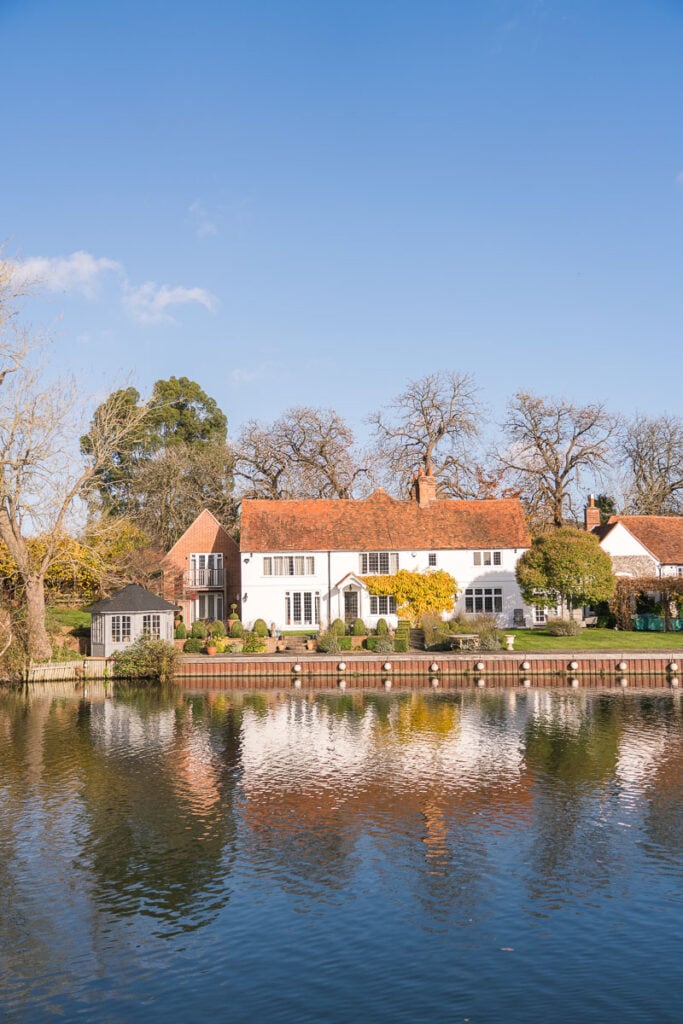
[416, 592]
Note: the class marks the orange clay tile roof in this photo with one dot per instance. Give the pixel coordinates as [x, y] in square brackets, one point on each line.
[661, 535]
[381, 523]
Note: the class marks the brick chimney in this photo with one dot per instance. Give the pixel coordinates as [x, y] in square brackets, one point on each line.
[424, 488]
[591, 514]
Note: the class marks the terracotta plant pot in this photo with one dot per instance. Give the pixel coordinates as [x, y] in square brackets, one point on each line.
[210, 649]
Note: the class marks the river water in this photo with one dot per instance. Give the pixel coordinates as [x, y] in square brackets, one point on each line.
[475, 857]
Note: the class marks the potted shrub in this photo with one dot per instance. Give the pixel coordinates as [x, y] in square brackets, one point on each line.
[211, 643]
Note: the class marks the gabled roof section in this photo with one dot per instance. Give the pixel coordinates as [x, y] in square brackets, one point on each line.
[205, 518]
[132, 598]
[661, 535]
[382, 523]
[351, 579]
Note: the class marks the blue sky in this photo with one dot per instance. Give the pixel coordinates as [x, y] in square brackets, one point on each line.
[314, 202]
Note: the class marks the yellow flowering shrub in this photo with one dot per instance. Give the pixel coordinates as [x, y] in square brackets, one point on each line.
[416, 592]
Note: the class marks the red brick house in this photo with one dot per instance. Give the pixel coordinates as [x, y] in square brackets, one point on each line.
[202, 571]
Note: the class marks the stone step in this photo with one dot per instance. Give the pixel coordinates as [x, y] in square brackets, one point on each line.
[295, 643]
[417, 639]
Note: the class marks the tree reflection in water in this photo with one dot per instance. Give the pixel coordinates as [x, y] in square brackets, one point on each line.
[132, 820]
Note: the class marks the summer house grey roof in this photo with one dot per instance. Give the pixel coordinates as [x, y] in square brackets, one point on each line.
[133, 598]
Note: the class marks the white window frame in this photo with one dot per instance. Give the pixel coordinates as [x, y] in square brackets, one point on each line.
[204, 604]
[121, 629]
[477, 599]
[378, 563]
[382, 604]
[487, 558]
[289, 565]
[97, 629]
[302, 607]
[151, 625]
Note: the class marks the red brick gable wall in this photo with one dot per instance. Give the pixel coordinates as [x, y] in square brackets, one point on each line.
[204, 535]
[382, 523]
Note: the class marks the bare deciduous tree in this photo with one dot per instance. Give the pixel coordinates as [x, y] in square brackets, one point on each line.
[652, 449]
[550, 443]
[306, 453]
[173, 488]
[432, 425]
[40, 474]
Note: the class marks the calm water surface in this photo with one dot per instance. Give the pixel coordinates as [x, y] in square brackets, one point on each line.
[484, 857]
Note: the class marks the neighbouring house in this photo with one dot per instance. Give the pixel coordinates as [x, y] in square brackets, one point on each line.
[303, 562]
[640, 545]
[202, 571]
[117, 621]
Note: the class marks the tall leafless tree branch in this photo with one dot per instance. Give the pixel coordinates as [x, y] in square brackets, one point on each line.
[433, 424]
[550, 444]
[652, 453]
[306, 453]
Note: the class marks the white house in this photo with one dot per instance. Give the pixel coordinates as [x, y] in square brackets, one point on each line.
[642, 545]
[303, 562]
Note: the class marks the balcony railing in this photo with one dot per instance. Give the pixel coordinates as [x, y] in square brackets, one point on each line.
[209, 578]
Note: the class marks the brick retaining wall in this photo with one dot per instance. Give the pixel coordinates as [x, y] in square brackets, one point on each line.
[411, 671]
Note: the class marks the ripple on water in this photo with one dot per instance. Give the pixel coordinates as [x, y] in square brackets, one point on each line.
[400, 857]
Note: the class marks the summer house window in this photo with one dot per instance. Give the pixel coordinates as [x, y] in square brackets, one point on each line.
[289, 565]
[487, 557]
[484, 599]
[151, 626]
[302, 608]
[378, 563]
[120, 628]
[97, 629]
[382, 605]
[540, 614]
[431, 558]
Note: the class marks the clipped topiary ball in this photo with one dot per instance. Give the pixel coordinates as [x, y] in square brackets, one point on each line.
[260, 628]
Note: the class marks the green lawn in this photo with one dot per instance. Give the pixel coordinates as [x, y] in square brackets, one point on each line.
[68, 618]
[596, 640]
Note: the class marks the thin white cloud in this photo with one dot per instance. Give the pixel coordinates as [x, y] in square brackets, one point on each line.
[80, 272]
[203, 225]
[238, 376]
[679, 178]
[149, 303]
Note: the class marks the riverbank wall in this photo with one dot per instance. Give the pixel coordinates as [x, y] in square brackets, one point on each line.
[446, 671]
[649, 670]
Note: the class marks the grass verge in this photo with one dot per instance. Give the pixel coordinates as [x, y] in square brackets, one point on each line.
[595, 640]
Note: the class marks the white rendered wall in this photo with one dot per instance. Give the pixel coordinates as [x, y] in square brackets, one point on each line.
[266, 594]
[620, 543]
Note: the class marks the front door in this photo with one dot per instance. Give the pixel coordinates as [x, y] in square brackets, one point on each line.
[350, 605]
